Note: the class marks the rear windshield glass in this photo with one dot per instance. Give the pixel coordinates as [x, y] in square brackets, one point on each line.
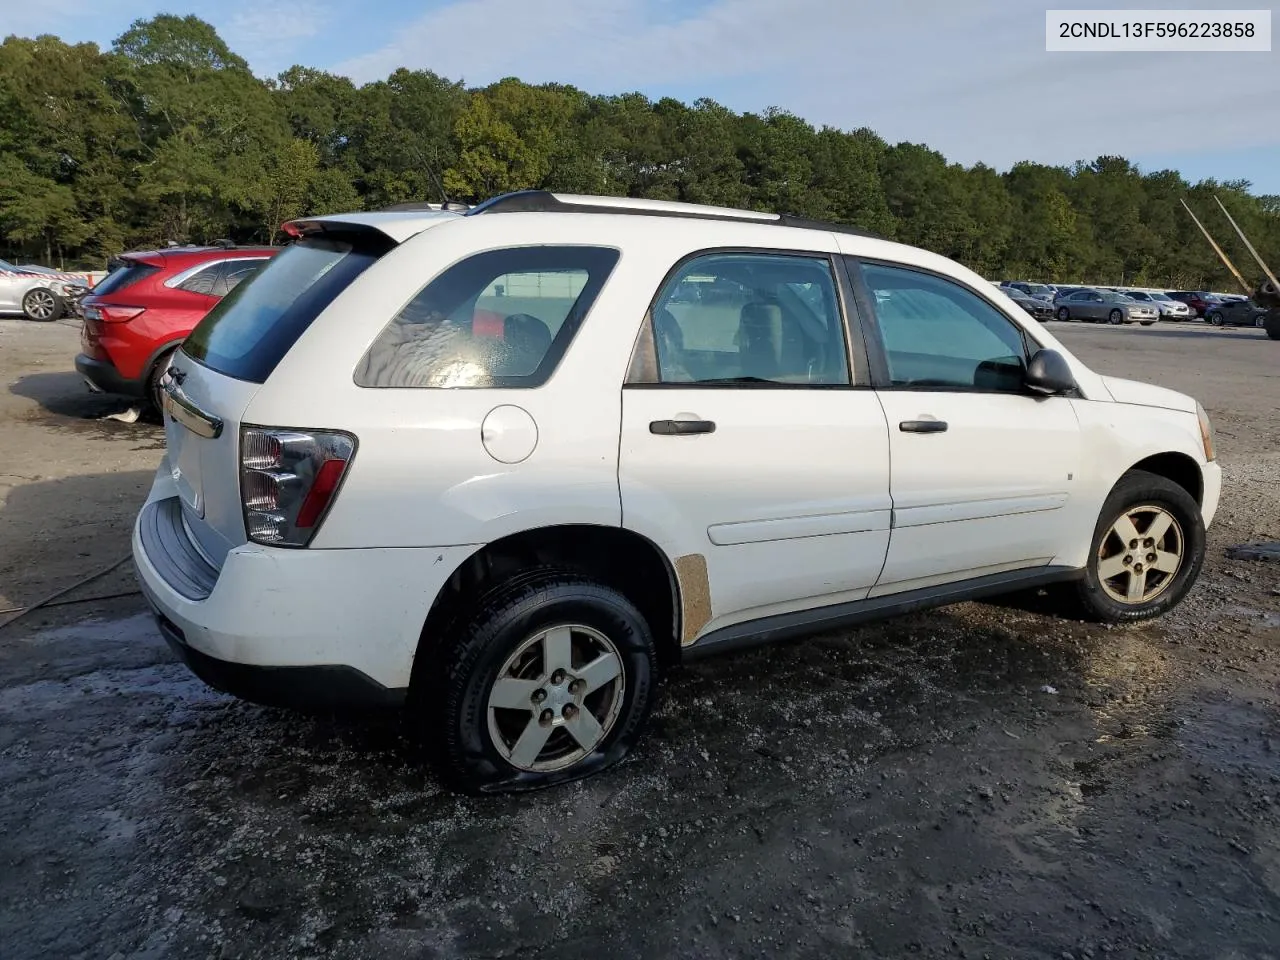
[251, 329]
[125, 276]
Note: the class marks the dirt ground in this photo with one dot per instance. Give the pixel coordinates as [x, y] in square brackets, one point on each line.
[979, 781]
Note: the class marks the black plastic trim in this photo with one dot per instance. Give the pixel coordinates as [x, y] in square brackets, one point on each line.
[170, 551]
[802, 623]
[543, 201]
[104, 375]
[322, 686]
[674, 428]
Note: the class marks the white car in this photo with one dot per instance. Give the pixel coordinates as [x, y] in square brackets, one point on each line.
[508, 467]
[1170, 309]
[38, 293]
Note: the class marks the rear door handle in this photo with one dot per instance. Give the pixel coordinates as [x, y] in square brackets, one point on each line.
[673, 428]
[923, 426]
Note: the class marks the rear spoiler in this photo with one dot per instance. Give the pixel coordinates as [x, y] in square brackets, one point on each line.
[397, 226]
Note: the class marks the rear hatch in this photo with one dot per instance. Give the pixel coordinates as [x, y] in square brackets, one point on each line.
[107, 303]
[231, 353]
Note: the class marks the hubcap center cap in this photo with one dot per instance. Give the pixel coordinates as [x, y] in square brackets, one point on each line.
[558, 697]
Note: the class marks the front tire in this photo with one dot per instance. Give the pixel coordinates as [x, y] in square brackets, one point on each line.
[1215, 319]
[1064, 314]
[42, 305]
[1147, 551]
[550, 680]
[1116, 317]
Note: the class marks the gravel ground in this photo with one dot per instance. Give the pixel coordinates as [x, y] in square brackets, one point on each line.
[979, 781]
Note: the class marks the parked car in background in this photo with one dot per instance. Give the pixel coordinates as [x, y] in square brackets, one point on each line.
[38, 293]
[1198, 300]
[1105, 305]
[1169, 308]
[144, 308]
[1235, 313]
[1040, 291]
[1042, 310]
[428, 467]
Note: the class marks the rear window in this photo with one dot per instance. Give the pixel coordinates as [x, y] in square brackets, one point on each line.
[251, 329]
[502, 318]
[124, 276]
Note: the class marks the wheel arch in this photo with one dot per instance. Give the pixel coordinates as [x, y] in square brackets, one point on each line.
[1175, 467]
[621, 558]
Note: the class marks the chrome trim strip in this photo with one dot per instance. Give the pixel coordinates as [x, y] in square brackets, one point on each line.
[183, 409]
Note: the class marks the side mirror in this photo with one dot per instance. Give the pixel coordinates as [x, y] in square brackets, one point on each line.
[1048, 373]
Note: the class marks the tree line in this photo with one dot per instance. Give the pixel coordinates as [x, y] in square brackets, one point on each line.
[169, 137]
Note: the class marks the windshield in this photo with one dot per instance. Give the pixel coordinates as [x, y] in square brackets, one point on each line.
[1161, 296]
[251, 329]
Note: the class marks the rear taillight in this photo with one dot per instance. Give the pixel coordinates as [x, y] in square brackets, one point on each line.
[288, 479]
[111, 313]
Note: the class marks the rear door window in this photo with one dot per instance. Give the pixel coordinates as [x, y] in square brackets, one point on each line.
[502, 318]
[250, 330]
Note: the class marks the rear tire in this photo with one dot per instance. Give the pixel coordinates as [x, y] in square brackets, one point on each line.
[155, 395]
[1122, 581]
[539, 634]
[42, 305]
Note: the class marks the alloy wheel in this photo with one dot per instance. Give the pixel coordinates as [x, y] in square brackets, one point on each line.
[39, 304]
[556, 698]
[1141, 554]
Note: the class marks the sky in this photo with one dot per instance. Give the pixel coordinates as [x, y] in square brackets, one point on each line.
[970, 78]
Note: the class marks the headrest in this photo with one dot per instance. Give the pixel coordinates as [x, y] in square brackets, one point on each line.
[760, 330]
[667, 327]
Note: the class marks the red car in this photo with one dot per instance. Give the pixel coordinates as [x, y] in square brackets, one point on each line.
[144, 308]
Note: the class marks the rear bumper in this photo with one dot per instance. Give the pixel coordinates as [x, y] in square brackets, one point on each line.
[103, 375]
[300, 688]
[300, 628]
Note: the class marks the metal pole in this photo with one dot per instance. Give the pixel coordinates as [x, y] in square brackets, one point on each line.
[1225, 259]
[1265, 269]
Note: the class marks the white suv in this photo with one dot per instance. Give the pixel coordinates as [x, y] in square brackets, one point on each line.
[507, 466]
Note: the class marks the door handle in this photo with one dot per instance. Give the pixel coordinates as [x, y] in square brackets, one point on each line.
[675, 428]
[923, 426]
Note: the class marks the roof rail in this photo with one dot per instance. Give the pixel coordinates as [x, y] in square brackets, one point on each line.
[543, 201]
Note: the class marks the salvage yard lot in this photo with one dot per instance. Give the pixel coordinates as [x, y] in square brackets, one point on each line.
[983, 779]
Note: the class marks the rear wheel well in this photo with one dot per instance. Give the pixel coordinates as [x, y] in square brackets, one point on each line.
[1178, 468]
[621, 559]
